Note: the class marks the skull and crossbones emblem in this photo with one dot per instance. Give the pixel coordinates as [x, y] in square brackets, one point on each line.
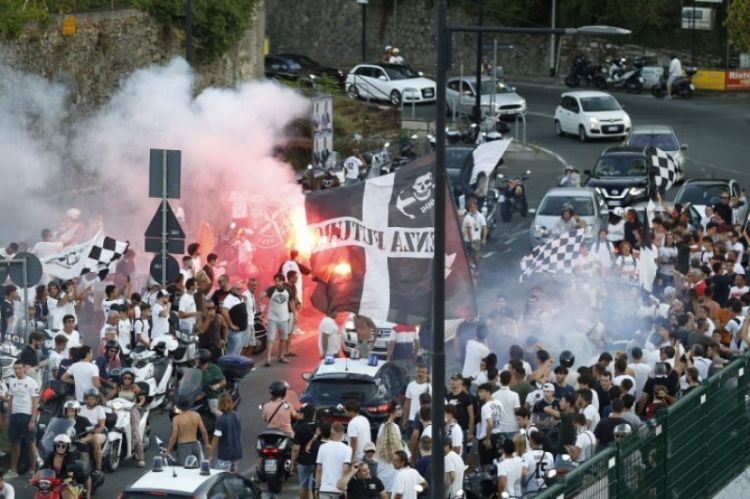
[419, 192]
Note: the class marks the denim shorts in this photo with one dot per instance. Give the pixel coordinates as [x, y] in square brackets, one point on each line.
[281, 326]
[306, 475]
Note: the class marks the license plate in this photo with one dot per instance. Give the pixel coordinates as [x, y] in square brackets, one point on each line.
[502, 198]
[611, 128]
[613, 203]
[380, 344]
[270, 466]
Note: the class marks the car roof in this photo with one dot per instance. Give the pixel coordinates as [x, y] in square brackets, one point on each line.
[648, 129]
[187, 480]
[582, 94]
[623, 150]
[569, 191]
[342, 368]
[473, 78]
[709, 181]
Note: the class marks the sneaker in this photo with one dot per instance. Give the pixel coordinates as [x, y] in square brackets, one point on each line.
[283, 360]
[141, 464]
[291, 354]
[10, 475]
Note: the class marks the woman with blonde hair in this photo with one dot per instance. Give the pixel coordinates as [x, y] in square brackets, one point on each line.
[389, 442]
[227, 438]
[520, 443]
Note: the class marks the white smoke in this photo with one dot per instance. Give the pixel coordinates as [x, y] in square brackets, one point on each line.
[226, 137]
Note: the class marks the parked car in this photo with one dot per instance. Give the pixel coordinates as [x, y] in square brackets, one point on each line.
[703, 192]
[389, 82]
[295, 67]
[461, 97]
[590, 115]
[620, 176]
[184, 482]
[662, 137]
[331, 384]
[588, 204]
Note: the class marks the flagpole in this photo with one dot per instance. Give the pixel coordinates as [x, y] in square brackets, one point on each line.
[436, 479]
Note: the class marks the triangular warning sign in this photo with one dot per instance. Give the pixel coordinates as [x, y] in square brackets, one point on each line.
[174, 231]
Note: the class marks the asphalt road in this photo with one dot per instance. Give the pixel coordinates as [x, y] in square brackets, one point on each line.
[717, 130]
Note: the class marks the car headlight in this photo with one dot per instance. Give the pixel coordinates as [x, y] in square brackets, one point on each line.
[601, 191]
[523, 104]
[637, 191]
[593, 123]
[541, 231]
[626, 120]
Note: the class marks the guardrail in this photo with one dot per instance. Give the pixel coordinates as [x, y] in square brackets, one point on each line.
[690, 450]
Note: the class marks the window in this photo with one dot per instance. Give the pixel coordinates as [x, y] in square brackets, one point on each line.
[218, 491]
[363, 71]
[599, 104]
[377, 73]
[453, 85]
[621, 166]
[664, 141]
[570, 104]
[242, 488]
[553, 205]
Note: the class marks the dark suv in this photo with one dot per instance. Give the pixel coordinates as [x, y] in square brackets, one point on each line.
[621, 176]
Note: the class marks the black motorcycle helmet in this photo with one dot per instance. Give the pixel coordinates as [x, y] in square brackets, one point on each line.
[567, 359]
[277, 389]
[112, 345]
[202, 355]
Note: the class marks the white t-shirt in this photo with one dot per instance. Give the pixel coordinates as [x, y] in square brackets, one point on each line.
[160, 325]
[490, 410]
[586, 264]
[592, 414]
[187, 305]
[509, 401]
[54, 359]
[642, 371]
[617, 380]
[249, 299]
[473, 224]
[107, 306]
[475, 352]
[427, 431]
[329, 328]
[293, 265]
[737, 292]
[586, 441]
[124, 327]
[405, 483]
[23, 391]
[675, 67]
[56, 313]
[456, 434]
[8, 491]
[278, 304]
[332, 456]
[141, 328]
[454, 463]
[413, 391]
[537, 463]
[352, 164]
[359, 427]
[512, 469]
[74, 341]
[83, 374]
[93, 415]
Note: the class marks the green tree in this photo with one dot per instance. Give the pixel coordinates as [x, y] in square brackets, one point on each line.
[738, 24]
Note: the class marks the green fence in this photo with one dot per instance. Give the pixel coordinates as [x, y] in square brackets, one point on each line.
[692, 450]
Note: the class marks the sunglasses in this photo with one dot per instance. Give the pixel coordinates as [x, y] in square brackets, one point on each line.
[61, 446]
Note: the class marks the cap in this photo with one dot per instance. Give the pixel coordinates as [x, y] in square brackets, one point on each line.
[369, 446]
[548, 387]
[457, 376]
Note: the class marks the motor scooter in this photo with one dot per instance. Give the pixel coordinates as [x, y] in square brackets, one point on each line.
[275, 450]
[682, 87]
[513, 196]
[83, 466]
[121, 436]
[154, 366]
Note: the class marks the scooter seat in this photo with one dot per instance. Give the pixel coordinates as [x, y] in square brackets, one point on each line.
[269, 432]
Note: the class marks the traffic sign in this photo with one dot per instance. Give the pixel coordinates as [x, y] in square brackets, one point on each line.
[161, 183]
[173, 269]
[176, 246]
[174, 231]
[33, 270]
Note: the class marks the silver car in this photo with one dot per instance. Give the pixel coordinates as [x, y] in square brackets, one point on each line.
[461, 97]
[662, 137]
[588, 204]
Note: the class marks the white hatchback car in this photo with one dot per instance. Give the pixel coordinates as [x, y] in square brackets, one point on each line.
[591, 114]
[389, 82]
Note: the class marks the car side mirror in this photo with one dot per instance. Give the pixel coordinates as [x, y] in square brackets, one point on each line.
[532, 211]
[307, 376]
[587, 172]
[382, 78]
[683, 147]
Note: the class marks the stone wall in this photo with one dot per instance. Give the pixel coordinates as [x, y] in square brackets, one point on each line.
[109, 45]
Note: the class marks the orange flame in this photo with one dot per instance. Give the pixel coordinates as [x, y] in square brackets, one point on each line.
[343, 269]
[301, 237]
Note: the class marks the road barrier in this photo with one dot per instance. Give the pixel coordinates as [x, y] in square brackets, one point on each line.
[693, 449]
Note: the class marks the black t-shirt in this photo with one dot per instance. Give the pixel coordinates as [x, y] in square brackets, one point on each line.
[28, 356]
[722, 284]
[461, 402]
[302, 435]
[6, 312]
[567, 434]
[364, 489]
[605, 430]
[671, 381]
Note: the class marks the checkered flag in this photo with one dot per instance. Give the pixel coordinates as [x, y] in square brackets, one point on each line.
[104, 252]
[663, 169]
[555, 256]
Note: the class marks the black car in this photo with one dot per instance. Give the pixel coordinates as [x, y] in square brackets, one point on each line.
[621, 176]
[294, 67]
[330, 385]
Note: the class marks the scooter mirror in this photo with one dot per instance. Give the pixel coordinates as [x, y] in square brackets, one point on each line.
[528, 172]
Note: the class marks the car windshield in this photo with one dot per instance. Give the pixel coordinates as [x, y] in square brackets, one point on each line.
[664, 141]
[305, 61]
[400, 72]
[336, 390]
[499, 87]
[454, 159]
[620, 166]
[597, 104]
[701, 194]
[552, 205]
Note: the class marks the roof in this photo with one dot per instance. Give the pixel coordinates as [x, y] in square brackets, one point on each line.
[709, 181]
[623, 150]
[473, 78]
[347, 366]
[186, 481]
[649, 129]
[569, 191]
[582, 94]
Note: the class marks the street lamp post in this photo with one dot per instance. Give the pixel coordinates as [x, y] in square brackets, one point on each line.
[444, 33]
[364, 3]
[189, 31]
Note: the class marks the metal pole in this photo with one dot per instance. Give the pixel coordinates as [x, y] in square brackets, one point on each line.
[26, 299]
[692, 39]
[438, 265]
[164, 218]
[493, 95]
[364, 25]
[395, 16]
[552, 39]
[478, 88]
[189, 31]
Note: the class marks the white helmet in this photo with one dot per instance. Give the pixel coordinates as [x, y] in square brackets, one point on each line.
[71, 404]
[62, 438]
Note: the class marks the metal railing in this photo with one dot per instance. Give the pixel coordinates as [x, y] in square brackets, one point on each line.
[691, 450]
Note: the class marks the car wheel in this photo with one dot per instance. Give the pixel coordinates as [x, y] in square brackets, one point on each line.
[558, 129]
[572, 81]
[582, 134]
[395, 98]
[352, 92]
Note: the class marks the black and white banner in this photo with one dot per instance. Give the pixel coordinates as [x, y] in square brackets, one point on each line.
[555, 256]
[94, 256]
[374, 245]
[662, 168]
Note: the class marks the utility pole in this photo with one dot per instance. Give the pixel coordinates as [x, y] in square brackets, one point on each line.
[478, 86]
[553, 24]
[189, 31]
[364, 3]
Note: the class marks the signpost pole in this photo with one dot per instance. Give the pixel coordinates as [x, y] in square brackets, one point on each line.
[164, 219]
[26, 300]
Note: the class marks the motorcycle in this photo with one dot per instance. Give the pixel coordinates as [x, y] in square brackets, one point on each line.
[84, 464]
[154, 367]
[275, 450]
[629, 80]
[121, 436]
[582, 71]
[513, 196]
[261, 334]
[184, 354]
[681, 87]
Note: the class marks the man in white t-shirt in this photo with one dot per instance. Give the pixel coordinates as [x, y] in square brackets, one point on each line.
[537, 463]
[406, 479]
[329, 336]
[69, 330]
[675, 71]
[358, 431]
[586, 264]
[454, 468]
[642, 370]
[188, 269]
[474, 230]
[24, 403]
[187, 311]
[83, 374]
[352, 166]
[414, 389]
[332, 464]
[585, 444]
[510, 471]
[160, 315]
[56, 302]
[476, 350]
[113, 297]
[584, 403]
[250, 304]
[509, 401]
[490, 423]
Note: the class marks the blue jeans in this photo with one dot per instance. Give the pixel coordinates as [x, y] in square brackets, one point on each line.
[306, 475]
[235, 342]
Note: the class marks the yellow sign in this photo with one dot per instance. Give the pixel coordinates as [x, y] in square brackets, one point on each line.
[69, 25]
[707, 79]
[265, 46]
